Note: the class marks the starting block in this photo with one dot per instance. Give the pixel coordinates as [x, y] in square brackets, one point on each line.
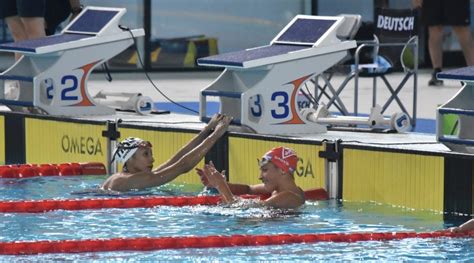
[461, 105]
[260, 86]
[53, 71]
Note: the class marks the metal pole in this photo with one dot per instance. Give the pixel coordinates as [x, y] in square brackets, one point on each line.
[147, 37]
[112, 134]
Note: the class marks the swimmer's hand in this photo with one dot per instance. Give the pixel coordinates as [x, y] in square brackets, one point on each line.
[203, 176]
[223, 125]
[455, 229]
[217, 180]
[213, 122]
[214, 178]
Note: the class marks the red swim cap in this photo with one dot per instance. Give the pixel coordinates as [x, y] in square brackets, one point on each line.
[283, 158]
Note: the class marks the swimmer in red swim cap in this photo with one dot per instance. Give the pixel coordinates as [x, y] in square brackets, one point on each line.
[277, 167]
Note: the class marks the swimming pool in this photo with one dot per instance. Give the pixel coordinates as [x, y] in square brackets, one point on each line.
[162, 221]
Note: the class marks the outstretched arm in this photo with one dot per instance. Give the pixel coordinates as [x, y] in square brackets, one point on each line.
[198, 139]
[140, 180]
[467, 226]
[236, 189]
[192, 157]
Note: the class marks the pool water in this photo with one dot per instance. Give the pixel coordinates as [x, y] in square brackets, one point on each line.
[314, 217]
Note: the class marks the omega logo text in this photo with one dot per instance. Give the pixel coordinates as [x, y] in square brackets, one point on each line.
[81, 145]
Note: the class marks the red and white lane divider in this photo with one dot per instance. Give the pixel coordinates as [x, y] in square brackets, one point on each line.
[39, 206]
[157, 243]
[63, 169]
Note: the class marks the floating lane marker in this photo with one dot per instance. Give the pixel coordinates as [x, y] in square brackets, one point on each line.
[158, 243]
[63, 169]
[39, 206]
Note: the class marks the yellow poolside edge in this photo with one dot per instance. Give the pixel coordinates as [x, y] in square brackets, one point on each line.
[53, 141]
[401, 179]
[414, 179]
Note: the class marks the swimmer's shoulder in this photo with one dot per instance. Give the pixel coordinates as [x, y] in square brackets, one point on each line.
[116, 181]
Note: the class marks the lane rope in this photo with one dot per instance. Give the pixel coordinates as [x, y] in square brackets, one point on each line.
[158, 243]
[63, 169]
[40, 206]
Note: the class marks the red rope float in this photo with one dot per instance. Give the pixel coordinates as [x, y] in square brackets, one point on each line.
[63, 169]
[145, 244]
[38, 206]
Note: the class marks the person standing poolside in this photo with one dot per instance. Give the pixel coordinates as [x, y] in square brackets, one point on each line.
[25, 18]
[439, 13]
[276, 173]
[57, 11]
[137, 156]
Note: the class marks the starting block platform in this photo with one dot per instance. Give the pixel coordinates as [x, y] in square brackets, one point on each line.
[260, 86]
[460, 105]
[53, 71]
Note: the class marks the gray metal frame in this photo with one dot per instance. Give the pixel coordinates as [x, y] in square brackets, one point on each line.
[412, 42]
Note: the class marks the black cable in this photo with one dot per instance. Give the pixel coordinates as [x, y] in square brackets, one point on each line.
[106, 69]
[308, 93]
[148, 77]
[455, 126]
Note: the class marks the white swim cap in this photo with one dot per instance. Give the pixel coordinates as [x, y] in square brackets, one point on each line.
[127, 148]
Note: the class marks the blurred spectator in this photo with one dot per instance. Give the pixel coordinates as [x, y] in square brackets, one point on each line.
[439, 13]
[25, 18]
[57, 11]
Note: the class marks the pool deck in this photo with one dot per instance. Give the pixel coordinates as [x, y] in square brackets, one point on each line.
[184, 87]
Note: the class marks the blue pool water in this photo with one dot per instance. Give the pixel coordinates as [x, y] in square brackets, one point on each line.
[314, 217]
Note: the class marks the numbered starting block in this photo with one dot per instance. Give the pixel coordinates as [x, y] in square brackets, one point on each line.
[460, 136]
[260, 87]
[53, 71]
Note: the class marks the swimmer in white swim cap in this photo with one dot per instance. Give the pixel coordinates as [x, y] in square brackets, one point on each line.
[137, 156]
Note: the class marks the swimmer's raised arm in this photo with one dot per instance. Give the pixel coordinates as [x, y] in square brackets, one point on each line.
[199, 138]
[189, 160]
[138, 173]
